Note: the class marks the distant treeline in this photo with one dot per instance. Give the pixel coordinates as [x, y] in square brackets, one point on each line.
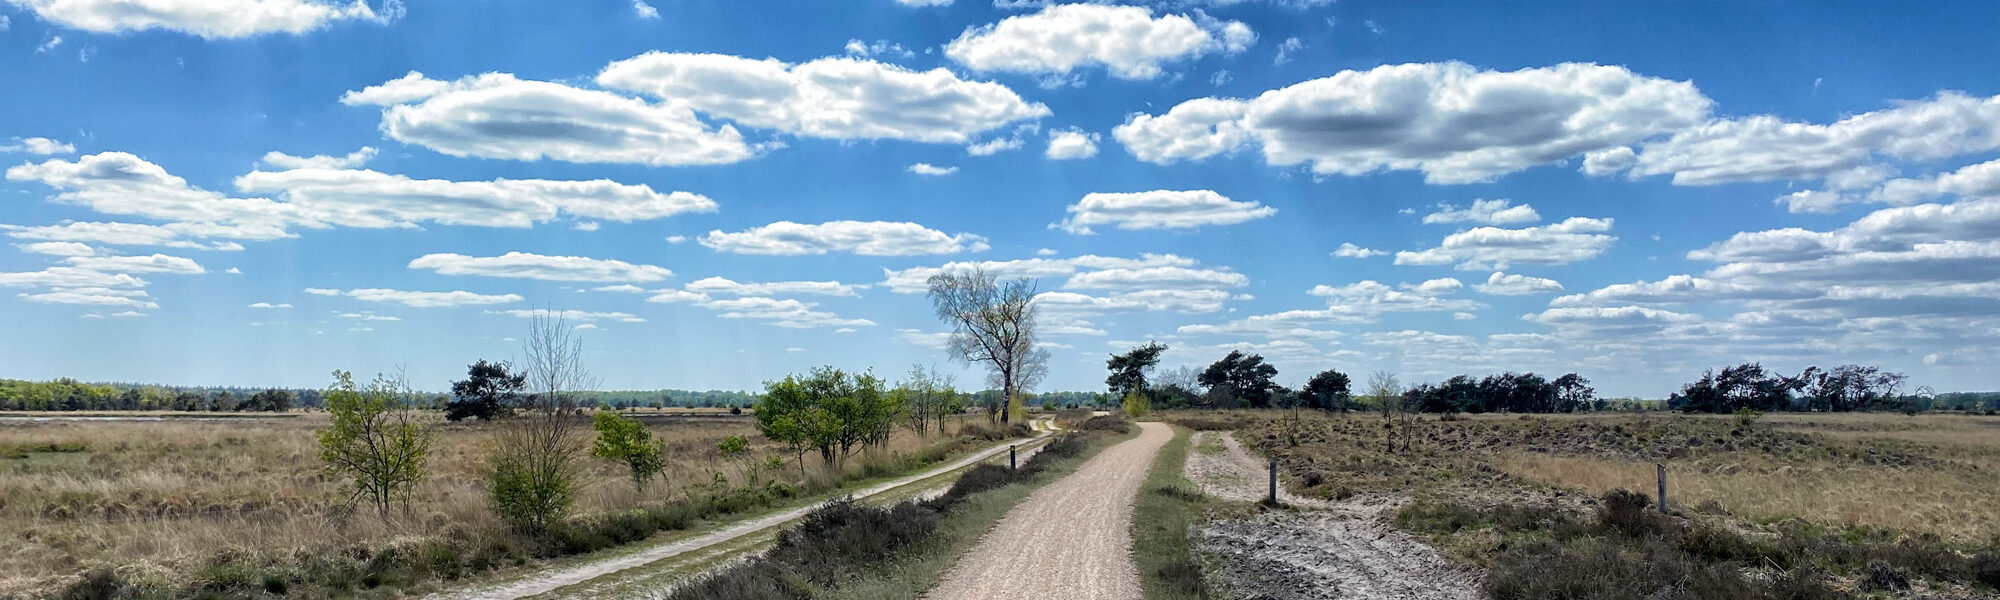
[1844, 388]
[70, 394]
[623, 399]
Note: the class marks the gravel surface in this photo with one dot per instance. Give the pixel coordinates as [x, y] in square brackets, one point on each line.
[1070, 540]
[1316, 555]
[1330, 550]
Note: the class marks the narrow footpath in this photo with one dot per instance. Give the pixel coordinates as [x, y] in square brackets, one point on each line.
[611, 568]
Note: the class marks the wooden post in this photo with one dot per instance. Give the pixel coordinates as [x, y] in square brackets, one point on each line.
[1274, 480]
[1662, 467]
[1011, 464]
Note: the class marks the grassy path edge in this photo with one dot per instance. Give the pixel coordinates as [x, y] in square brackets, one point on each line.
[1167, 506]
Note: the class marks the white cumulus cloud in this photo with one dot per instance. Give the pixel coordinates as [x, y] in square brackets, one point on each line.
[535, 266]
[38, 145]
[417, 299]
[930, 169]
[839, 98]
[1484, 212]
[1451, 121]
[1505, 284]
[211, 19]
[1159, 209]
[1494, 248]
[1127, 40]
[1350, 250]
[867, 238]
[1071, 144]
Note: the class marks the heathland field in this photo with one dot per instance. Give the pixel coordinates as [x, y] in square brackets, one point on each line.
[1798, 505]
[178, 502]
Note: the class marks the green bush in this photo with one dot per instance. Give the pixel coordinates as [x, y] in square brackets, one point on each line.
[626, 440]
[530, 495]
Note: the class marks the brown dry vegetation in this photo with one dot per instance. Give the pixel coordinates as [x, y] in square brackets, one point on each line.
[1849, 485]
[169, 495]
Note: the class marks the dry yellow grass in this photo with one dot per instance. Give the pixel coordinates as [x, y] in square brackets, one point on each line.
[174, 491]
[1951, 498]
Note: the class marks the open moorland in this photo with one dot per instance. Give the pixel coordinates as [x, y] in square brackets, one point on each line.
[1565, 506]
[173, 502]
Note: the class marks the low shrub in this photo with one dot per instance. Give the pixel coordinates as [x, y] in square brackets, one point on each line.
[1628, 550]
[1626, 512]
[842, 534]
[975, 480]
[1986, 568]
[1209, 423]
[995, 433]
[1105, 423]
[1068, 445]
[1882, 577]
[829, 545]
[746, 581]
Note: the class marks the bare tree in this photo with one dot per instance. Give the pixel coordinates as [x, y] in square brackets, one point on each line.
[1387, 393]
[535, 458]
[992, 325]
[927, 397]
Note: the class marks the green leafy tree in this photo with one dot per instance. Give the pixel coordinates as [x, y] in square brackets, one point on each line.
[374, 439]
[271, 400]
[1573, 393]
[488, 391]
[626, 440]
[1245, 377]
[1128, 370]
[993, 325]
[1329, 390]
[827, 410]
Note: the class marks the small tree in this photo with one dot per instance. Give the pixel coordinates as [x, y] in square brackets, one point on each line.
[736, 449]
[626, 440]
[1387, 394]
[927, 398]
[375, 439]
[534, 470]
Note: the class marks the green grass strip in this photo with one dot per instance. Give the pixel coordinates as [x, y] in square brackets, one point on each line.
[1168, 504]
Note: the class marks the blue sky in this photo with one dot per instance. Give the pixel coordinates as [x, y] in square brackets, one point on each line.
[257, 192]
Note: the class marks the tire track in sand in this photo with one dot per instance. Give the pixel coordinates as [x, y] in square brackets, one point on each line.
[1331, 551]
[1070, 540]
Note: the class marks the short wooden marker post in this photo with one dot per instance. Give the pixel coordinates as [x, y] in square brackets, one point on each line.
[1011, 464]
[1662, 467]
[1274, 480]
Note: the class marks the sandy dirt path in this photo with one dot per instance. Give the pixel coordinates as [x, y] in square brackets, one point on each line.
[1070, 540]
[1332, 550]
[553, 579]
